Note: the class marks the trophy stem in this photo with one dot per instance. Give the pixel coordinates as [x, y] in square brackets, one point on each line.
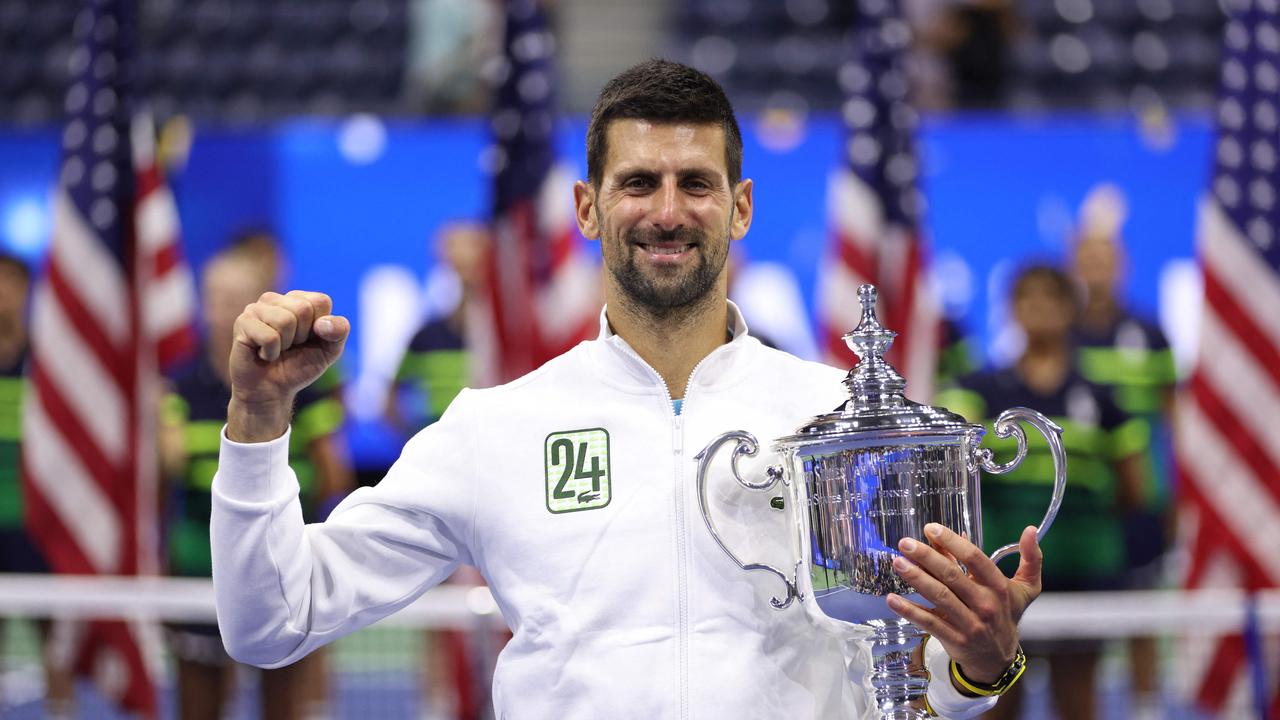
[899, 684]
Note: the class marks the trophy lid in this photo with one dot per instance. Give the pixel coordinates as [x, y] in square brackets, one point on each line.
[876, 403]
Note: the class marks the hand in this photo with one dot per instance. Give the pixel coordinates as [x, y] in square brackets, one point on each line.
[975, 616]
[281, 344]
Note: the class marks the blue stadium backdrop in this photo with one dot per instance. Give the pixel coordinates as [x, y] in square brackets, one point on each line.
[356, 200]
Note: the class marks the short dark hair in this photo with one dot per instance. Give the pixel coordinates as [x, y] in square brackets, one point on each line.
[665, 92]
[1056, 278]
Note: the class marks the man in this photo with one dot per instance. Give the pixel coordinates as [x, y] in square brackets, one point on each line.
[18, 551]
[1104, 446]
[436, 366]
[191, 425]
[1129, 355]
[572, 488]
[457, 665]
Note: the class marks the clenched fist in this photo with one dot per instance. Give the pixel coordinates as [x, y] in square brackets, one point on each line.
[281, 344]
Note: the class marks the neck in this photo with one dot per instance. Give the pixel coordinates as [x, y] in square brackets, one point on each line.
[672, 343]
[1100, 311]
[11, 347]
[1044, 365]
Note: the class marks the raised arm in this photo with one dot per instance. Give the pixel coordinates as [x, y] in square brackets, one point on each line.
[284, 588]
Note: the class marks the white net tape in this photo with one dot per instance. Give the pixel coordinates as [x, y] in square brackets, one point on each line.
[1061, 615]
[384, 671]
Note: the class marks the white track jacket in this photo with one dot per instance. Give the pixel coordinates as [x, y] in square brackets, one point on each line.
[573, 489]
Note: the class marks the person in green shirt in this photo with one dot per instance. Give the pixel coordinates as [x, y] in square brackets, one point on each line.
[193, 414]
[19, 553]
[1085, 550]
[457, 666]
[1128, 355]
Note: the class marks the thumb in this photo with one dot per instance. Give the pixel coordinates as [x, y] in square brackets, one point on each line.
[332, 328]
[1031, 562]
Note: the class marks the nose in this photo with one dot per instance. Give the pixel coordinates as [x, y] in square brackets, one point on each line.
[667, 214]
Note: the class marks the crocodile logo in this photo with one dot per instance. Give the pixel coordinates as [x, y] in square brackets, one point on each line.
[577, 471]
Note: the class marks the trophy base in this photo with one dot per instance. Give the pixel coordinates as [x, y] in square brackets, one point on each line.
[899, 685]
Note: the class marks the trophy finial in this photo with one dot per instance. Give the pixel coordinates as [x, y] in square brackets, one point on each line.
[872, 381]
[870, 338]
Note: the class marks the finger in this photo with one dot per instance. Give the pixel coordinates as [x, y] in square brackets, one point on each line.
[259, 337]
[303, 310]
[944, 599]
[321, 304]
[978, 564]
[282, 320]
[943, 568]
[1032, 559]
[925, 619]
[943, 551]
[332, 328]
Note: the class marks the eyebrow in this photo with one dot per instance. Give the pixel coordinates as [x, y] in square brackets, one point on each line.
[700, 171]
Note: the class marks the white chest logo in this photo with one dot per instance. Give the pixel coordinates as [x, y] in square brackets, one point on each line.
[578, 473]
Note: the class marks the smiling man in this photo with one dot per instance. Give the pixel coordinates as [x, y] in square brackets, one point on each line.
[572, 488]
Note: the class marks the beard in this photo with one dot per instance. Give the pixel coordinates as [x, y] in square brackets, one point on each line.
[665, 294]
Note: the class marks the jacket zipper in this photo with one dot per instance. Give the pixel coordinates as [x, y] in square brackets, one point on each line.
[682, 546]
[682, 535]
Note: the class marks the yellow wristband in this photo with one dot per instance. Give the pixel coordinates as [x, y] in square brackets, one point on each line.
[1002, 683]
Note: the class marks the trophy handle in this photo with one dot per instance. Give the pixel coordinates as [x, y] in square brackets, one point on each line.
[1006, 425]
[746, 445]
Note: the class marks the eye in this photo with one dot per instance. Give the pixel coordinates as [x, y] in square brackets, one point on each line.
[697, 185]
[637, 182]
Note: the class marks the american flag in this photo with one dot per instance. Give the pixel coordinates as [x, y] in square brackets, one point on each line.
[874, 205]
[115, 300]
[1227, 441]
[543, 290]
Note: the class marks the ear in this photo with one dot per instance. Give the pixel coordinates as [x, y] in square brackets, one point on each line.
[742, 207]
[584, 205]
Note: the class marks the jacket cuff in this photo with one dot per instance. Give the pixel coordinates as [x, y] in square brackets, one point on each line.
[944, 698]
[255, 472]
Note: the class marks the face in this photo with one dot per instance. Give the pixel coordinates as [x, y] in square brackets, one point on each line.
[1041, 311]
[13, 300]
[1097, 262]
[229, 284]
[465, 247]
[664, 213]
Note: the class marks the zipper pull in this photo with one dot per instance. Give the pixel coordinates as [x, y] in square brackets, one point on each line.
[677, 437]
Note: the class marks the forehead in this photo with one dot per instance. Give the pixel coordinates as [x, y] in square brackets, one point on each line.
[231, 276]
[635, 144]
[1038, 286]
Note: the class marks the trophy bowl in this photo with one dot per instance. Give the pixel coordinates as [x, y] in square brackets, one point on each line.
[859, 480]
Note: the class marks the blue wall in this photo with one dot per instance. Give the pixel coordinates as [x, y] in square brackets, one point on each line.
[346, 195]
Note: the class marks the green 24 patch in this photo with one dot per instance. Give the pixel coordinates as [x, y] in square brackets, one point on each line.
[577, 470]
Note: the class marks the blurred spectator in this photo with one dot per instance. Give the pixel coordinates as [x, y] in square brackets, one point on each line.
[458, 666]
[1128, 355]
[191, 428]
[974, 38]
[260, 248]
[1084, 551]
[450, 44]
[18, 551]
[436, 365]
[956, 354]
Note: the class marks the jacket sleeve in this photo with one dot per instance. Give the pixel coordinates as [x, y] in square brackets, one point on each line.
[283, 588]
[944, 698]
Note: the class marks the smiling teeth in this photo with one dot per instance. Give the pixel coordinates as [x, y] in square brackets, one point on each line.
[666, 250]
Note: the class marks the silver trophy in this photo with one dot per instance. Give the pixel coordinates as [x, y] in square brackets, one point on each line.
[860, 479]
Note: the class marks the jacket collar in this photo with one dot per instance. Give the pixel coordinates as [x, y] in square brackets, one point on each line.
[622, 366]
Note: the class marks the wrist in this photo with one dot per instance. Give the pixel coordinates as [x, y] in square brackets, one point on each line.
[984, 674]
[983, 686]
[254, 422]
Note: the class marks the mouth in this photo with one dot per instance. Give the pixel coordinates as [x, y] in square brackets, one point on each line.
[666, 249]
